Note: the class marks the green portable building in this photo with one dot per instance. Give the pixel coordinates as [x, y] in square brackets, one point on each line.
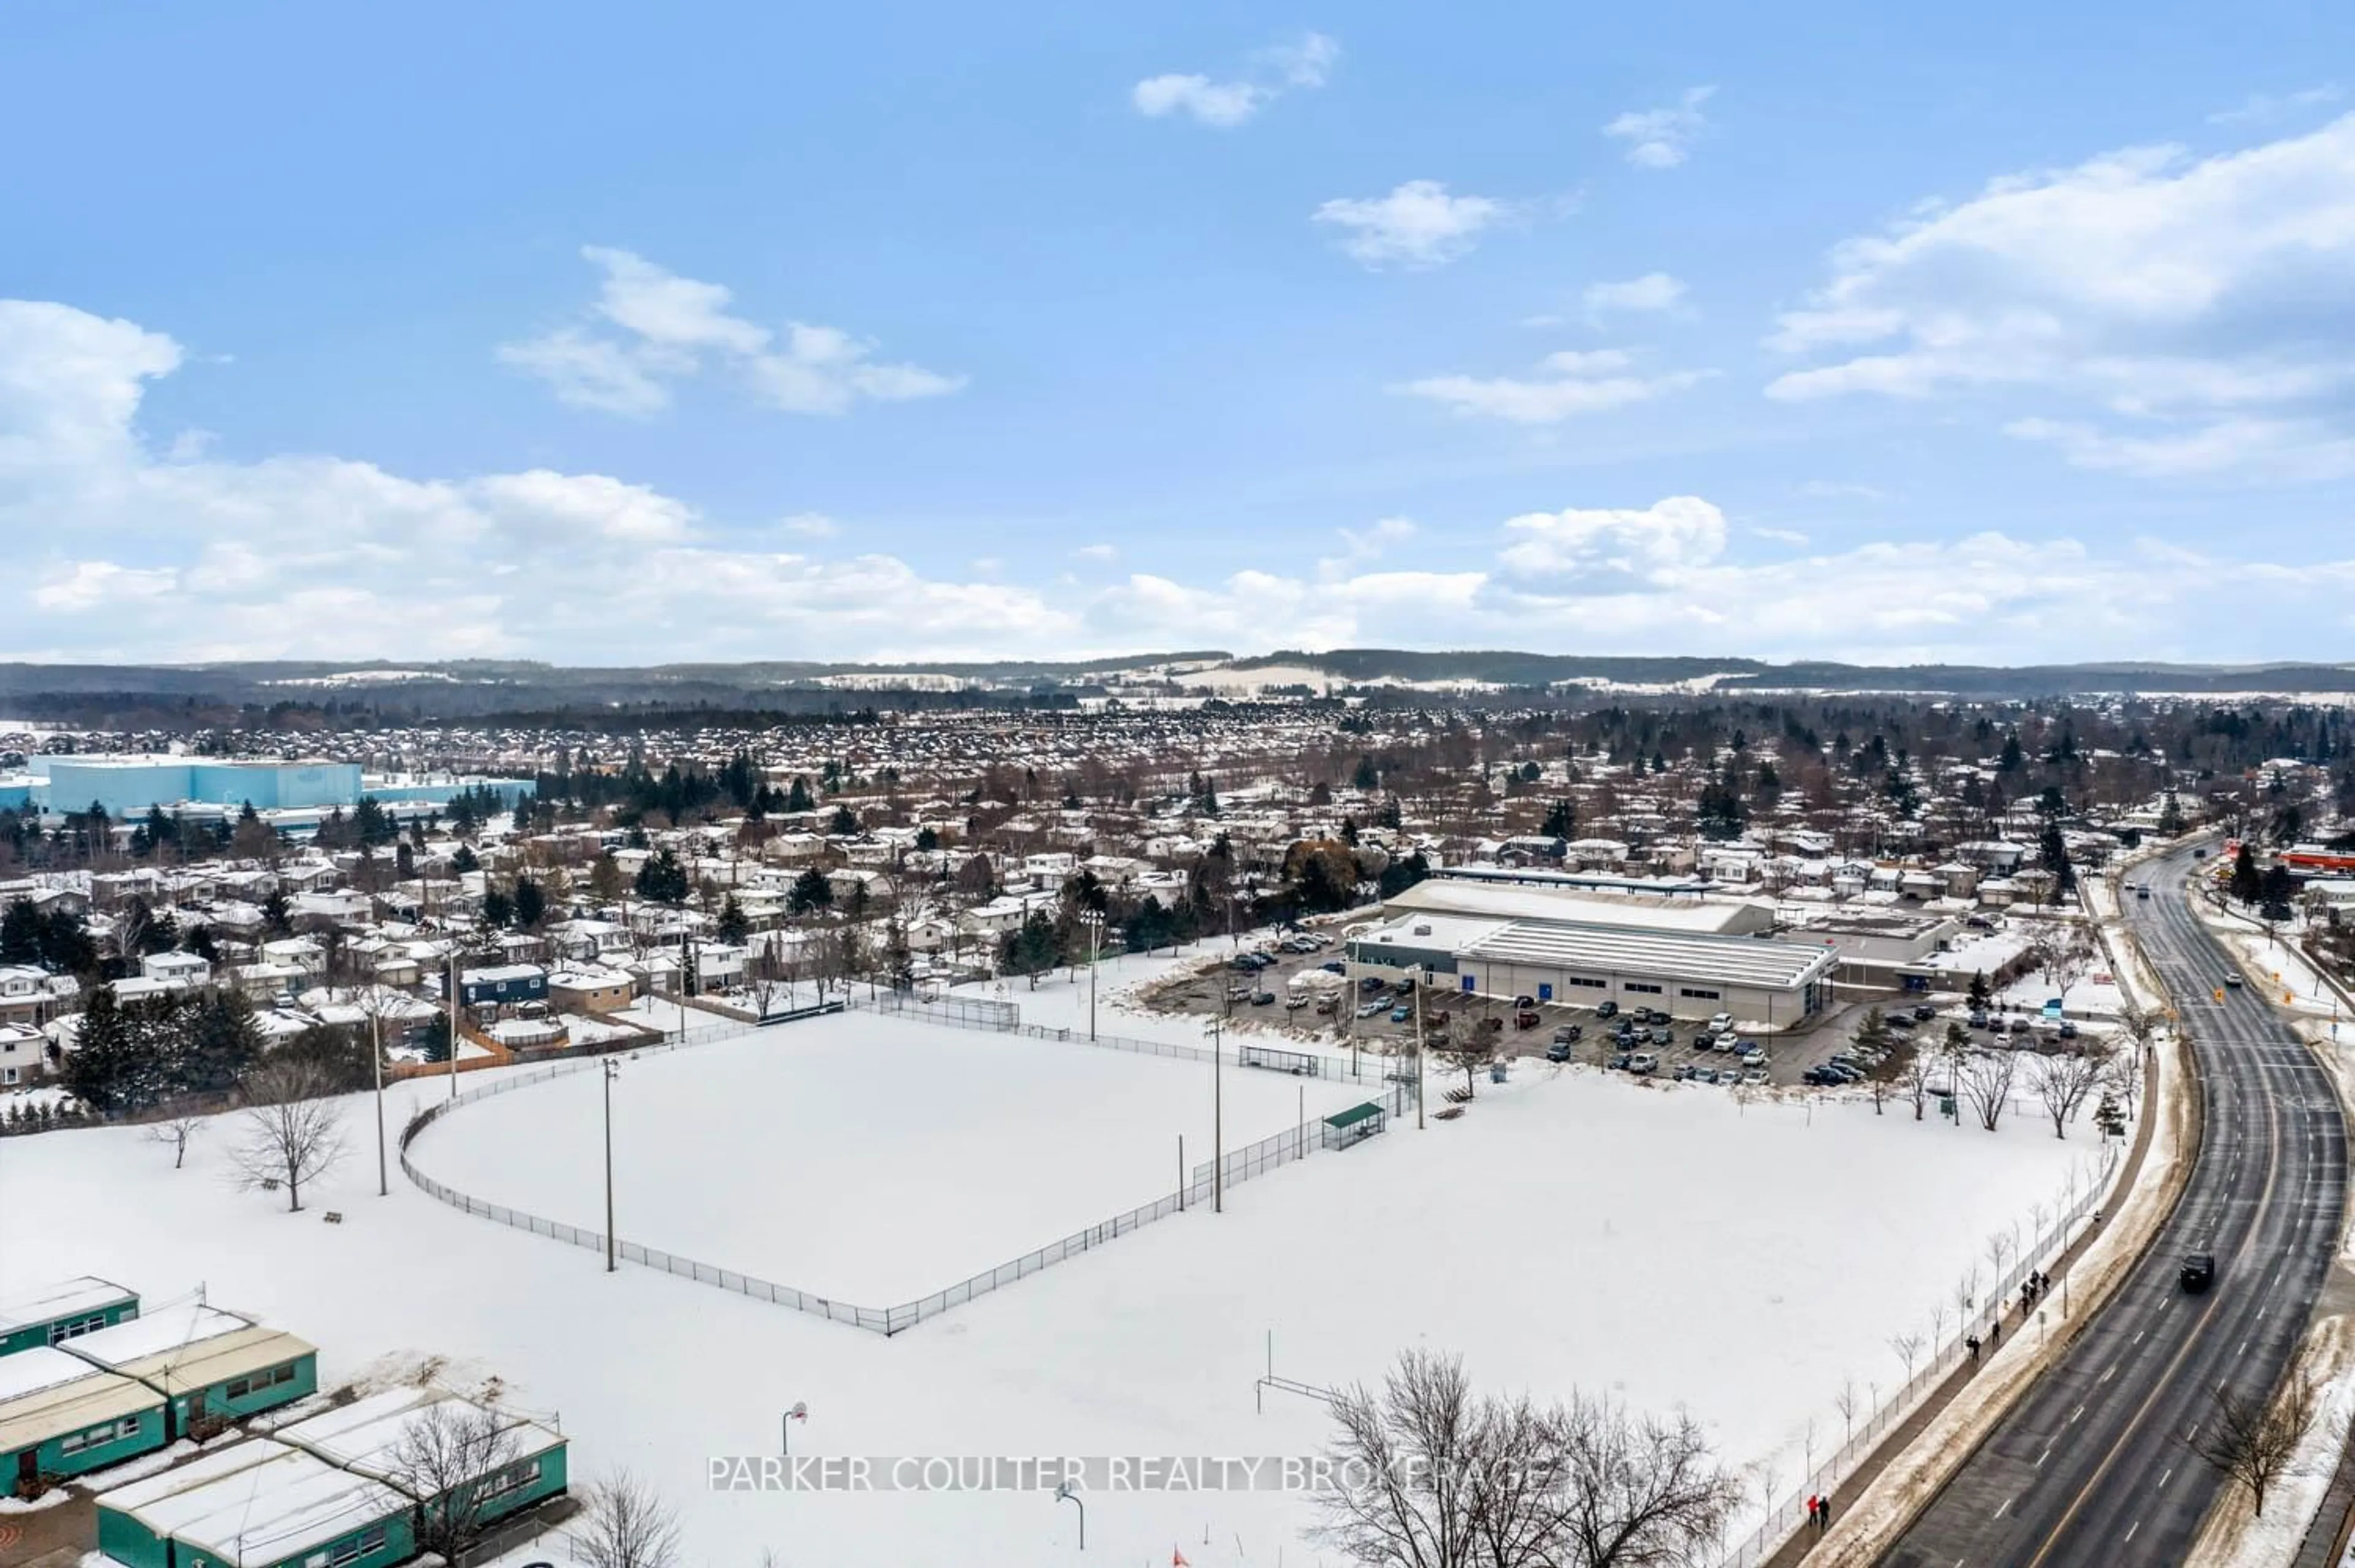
[211, 1366]
[61, 1417]
[51, 1314]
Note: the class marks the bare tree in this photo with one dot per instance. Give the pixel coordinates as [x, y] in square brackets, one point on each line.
[1908, 1347]
[293, 1131]
[2064, 1083]
[1984, 1079]
[177, 1133]
[1430, 1475]
[448, 1457]
[2253, 1440]
[624, 1523]
[1847, 1403]
[1915, 1078]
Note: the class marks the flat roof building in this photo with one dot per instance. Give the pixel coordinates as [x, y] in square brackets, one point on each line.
[1688, 957]
[61, 1417]
[210, 1366]
[259, 1504]
[48, 1314]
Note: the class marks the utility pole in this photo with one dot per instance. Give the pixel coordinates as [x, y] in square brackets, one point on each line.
[1094, 920]
[613, 1070]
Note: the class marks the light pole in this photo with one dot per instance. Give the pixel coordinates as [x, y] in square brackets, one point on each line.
[613, 1070]
[1218, 1111]
[453, 1015]
[1067, 1494]
[800, 1412]
[376, 1051]
[1094, 920]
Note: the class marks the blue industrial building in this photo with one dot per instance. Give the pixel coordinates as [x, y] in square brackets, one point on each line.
[127, 787]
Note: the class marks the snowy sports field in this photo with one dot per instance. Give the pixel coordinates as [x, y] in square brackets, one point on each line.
[862, 1156]
[1667, 1243]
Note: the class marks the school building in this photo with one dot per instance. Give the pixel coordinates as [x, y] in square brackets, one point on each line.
[49, 1314]
[210, 1367]
[61, 1417]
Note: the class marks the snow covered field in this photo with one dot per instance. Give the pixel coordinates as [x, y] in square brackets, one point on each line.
[1672, 1246]
[867, 1158]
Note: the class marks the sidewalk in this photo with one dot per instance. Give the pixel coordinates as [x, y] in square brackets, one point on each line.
[1795, 1551]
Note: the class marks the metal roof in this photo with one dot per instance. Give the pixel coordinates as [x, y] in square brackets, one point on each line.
[66, 1298]
[46, 1393]
[1654, 955]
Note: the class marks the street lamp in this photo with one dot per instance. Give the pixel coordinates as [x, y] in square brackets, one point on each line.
[1067, 1494]
[376, 1054]
[613, 1070]
[1094, 920]
[800, 1412]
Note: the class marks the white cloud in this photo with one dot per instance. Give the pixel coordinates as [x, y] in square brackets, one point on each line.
[1362, 547]
[1653, 291]
[1418, 224]
[669, 327]
[1270, 73]
[2265, 107]
[1097, 552]
[1663, 138]
[1577, 383]
[126, 552]
[811, 524]
[2200, 300]
[1783, 536]
[1839, 490]
[1593, 545]
[2262, 449]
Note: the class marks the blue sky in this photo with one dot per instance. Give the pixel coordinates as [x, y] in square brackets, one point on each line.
[595, 334]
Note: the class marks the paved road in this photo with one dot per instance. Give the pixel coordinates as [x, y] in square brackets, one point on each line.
[2092, 1466]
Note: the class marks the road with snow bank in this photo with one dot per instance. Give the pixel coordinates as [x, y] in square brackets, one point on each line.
[2092, 1464]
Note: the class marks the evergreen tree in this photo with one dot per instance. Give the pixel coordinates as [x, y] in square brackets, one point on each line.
[798, 798]
[103, 1068]
[276, 917]
[1560, 820]
[732, 926]
[927, 840]
[662, 880]
[811, 892]
[2247, 883]
[1980, 992]
[464, 860]
[844, 824]
[223, 1041]
[498, 908]
[2053, 854]
[1032, 949]
[20, 933]
[530, 902]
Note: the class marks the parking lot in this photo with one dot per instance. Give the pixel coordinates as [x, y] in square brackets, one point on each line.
[1382, 1019]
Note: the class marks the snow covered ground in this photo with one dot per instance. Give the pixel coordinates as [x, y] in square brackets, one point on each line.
[864, 1157]
[1671, 1245]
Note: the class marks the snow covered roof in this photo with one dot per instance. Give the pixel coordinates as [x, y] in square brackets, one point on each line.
[250, 1511]
[190, 1346]
[65, 1298]
[366, 1435]
[44, 1394]
[1735, 960]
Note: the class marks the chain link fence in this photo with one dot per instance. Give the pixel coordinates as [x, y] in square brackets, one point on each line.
[1240, 1165]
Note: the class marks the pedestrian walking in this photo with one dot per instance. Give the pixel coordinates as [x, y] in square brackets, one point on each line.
[1972, 1344]
[1995, 1332]
[1824, 1512]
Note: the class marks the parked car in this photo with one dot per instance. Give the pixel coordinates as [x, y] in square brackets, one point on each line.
[2068, 1030]
[1903, 1021]
[1606, 1009]
[1334, 967]
[1525, 1001]
[1720, 1022]
[1372, 1010]
[1684, 1069]
[1566, 1033]
[1526, 1018]
[1642, 1061]
[1371, 983]
[1725, 1042]
[1704, 1074]
[1924, 1012]
[1753, 1058]
[1402, 1015]
[1263, 998]
[1663, 1036]
[1327, 1007]
[1558, 1051]
[1980, 1020]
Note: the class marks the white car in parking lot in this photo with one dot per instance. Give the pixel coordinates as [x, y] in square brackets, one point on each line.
[1721, 1023]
